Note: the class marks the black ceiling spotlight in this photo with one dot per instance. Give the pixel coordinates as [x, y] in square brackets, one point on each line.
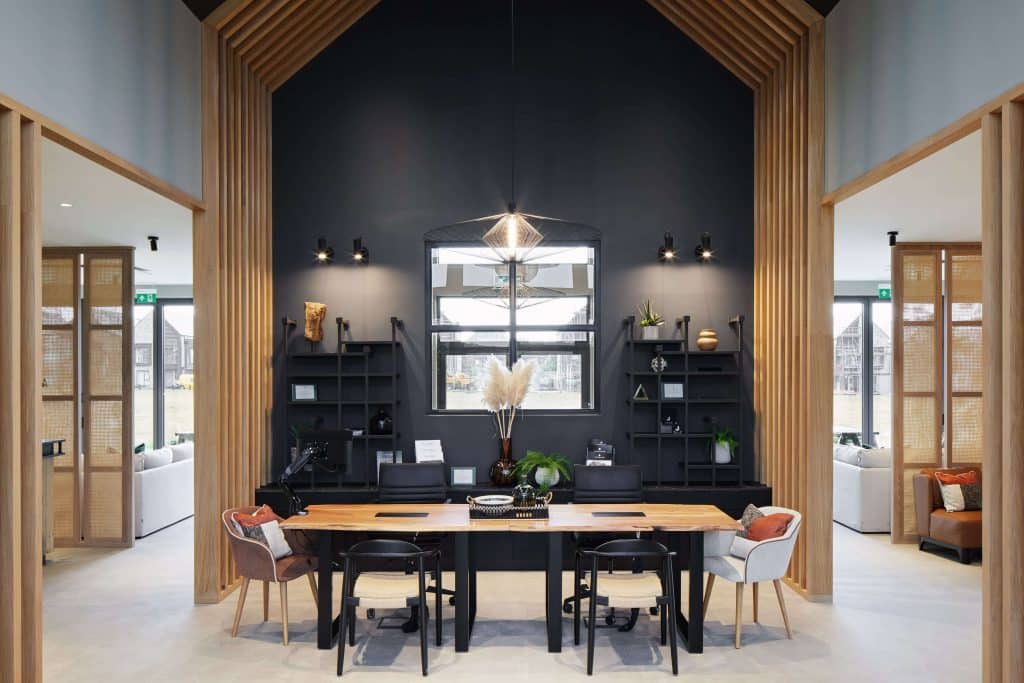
[324, 253]
[152, 242]
[892, 237]
[703, 250]
[360, 254]
[667, 251]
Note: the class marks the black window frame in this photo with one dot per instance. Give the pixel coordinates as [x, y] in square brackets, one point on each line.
[867, 361]
[590, 374]
[156, 365]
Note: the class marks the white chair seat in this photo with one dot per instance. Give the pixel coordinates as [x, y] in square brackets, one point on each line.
[629, 590]
[386, 590]
[728, 567]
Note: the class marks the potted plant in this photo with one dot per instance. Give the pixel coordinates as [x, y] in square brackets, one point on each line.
[504, 394]
[547, 470]
[725, 444]
[650, 321]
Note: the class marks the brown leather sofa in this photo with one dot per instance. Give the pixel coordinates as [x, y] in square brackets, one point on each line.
[959, 531]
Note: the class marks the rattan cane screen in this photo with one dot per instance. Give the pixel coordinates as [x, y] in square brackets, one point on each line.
[58, 362]
[919, 358]
[106, 437]
[965, 360]
[105, 365]
[58, 276]
[965, 279]
[919, 430]
[104, 505]
[59, 423]
[966, 438]
[64, 507]
[105, 291]
[966, 370]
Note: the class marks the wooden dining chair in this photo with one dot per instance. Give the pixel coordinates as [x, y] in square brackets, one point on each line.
[255, 562]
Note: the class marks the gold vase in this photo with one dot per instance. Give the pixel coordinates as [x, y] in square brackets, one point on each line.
[707, 339]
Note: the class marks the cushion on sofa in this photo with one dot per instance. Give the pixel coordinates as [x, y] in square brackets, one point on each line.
[875, 457]
[158, 458]
[751, 513]
[959, 491]
[961, 529]
[846, 453]
[769, 526]
[183, 451]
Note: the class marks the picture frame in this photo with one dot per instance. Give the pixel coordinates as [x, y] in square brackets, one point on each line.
[463, 476]
[672, 391]
[303, 392]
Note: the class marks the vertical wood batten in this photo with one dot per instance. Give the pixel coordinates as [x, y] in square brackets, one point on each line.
[1012, 195]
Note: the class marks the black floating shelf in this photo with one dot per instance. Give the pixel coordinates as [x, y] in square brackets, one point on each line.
[666, 373]
[313, 354]
[313, 403]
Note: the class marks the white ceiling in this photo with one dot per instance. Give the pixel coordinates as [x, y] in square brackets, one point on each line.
[938, 199]
[109, 210]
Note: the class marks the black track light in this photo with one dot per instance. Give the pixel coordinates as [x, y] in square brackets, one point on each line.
[324, 253]
[703, 250]
[360, 254]
[153, 239]
[667, 251]
[892, 237]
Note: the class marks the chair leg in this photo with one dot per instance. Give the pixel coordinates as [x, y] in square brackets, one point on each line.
[241, 604]
[343, 618]
[312, 587]
[707, 594]
[438, 602]
[266, 600]
[782, 606]
[593, 623]
[670, 617]
[576, 588]
[351, 626]
[755, 602]
[739, 612]
[662, 611]
[423, 632]
[284, 611]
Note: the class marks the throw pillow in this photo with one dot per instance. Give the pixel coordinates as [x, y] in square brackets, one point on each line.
[960, 492]
[968, 477]
[262, 515]
[183, 451]
[138, 461]
[749, 515]
[769, 526]
[158, 458]
[270, 535]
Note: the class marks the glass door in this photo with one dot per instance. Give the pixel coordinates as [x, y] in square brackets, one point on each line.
[848, 375]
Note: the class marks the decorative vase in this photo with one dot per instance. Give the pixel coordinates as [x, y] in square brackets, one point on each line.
[707, 339]
[649, 332]
[523, 495]
[382, 423]
[723, 454]
[546, 477]
[502, 471]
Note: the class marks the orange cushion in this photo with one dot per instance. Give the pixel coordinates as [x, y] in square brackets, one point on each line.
[263, 515]
[769, 526]
[946, 478]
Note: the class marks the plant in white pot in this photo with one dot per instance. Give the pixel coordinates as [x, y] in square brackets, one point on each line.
[547, 470]
[725, 445]
[650, 321]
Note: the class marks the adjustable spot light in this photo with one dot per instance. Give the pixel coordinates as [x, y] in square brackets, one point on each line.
[324, 253]
[360, 254]
[703, 250]
[153, 239]
[892, 237]
[667, 251]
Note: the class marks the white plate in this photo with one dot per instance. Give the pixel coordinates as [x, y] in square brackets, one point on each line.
[493, 500]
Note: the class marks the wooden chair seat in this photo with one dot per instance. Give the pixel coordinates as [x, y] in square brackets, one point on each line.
[621, 589]
[386, 590]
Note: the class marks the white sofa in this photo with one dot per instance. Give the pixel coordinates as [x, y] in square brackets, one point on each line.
[862, 488]
[163, 487]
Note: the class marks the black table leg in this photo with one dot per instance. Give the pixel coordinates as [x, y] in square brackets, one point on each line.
[324, 588]
[553, 591]
[692, 628]
[464, 597]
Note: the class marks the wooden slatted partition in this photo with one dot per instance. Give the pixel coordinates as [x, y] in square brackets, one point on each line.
[964, 418]
[233, 306]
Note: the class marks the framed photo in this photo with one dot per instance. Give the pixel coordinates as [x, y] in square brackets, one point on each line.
[672, 391]
[463, 476]
[303, 392]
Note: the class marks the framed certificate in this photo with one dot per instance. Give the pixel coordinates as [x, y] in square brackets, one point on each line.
[672, 391]
[463, 476]
[303, 392]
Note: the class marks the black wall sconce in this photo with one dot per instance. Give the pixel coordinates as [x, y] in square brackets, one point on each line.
[667, 251]
[360, 254]
[703, 250]
[324, 253]
[892, 237]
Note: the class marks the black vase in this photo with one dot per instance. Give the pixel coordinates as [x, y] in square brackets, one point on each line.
[381, 423]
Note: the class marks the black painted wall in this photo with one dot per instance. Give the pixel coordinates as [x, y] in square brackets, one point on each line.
[405, 124]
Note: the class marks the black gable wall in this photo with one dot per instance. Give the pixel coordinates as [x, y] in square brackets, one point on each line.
[404, 125]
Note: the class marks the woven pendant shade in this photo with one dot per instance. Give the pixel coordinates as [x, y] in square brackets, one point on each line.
[512, 238]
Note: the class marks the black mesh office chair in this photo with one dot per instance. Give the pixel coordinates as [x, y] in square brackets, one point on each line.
[421, 482]
[603, 484]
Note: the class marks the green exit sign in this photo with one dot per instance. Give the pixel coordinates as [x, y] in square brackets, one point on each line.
[145, 297]
[884, 291]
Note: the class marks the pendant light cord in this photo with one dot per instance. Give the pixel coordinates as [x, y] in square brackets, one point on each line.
[515, 101]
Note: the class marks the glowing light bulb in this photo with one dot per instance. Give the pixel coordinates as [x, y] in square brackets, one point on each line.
[706, 255]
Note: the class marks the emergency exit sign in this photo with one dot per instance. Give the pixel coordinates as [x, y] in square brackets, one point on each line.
[145, 297]
[885, 291]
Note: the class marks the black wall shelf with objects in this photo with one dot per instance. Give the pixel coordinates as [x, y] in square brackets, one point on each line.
[347, 388]
[671, 433]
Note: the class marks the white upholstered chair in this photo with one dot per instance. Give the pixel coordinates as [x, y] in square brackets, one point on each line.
[744, 562]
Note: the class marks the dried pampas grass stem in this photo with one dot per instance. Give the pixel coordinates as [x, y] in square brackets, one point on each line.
[506, 391]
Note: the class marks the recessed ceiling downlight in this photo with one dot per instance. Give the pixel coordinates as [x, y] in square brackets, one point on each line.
[66, 205]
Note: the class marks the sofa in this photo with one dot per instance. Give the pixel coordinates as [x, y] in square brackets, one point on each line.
[163, 484]
[958, 531]
[862, 488]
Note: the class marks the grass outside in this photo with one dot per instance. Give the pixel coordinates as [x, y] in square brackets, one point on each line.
[846, 414]
[178, 414]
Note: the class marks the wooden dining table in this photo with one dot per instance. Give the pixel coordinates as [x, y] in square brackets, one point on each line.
[687, 522]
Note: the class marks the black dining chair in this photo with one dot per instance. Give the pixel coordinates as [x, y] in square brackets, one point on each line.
[387, 590]
[421, 482]
[628, 589]
[603, 484]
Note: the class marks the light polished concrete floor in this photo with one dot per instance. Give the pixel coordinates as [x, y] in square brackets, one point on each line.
[127, 615]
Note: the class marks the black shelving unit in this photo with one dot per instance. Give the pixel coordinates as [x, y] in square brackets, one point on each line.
[352, 382]
[712, 399]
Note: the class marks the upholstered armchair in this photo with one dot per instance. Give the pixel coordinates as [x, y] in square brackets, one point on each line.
[746, 562]
[255, 562]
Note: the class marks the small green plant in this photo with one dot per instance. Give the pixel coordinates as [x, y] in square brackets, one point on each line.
[725, 437]
[648, 316]
[536, 460]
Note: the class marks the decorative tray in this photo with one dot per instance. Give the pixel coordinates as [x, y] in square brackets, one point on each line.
[501, 507]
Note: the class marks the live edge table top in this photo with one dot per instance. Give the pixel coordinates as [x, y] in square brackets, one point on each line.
[449, 518]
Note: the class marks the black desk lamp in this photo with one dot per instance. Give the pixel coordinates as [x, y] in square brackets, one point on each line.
[324, 448]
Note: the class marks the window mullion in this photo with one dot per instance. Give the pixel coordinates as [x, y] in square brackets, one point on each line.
[513, 352]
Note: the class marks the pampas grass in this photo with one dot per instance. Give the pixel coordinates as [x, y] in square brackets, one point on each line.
[506, 391]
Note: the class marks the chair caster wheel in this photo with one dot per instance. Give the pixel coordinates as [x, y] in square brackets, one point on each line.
[451, 601]
[567, 608]
[371, 613]
[610, 620]
[654, 611]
